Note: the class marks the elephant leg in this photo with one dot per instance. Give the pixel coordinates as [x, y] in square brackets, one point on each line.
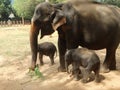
[97, 76]
[86, 74]
[62, 50]
[97, 71]
[110, 62]
[110, 59]
[41, 59]
[52, 59]
[76, 70]
[76, 74]
[33, 43]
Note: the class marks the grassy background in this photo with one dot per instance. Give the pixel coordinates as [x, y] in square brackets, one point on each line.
[14, 41]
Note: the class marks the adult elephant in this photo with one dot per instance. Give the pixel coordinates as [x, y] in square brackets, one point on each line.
[85, 23]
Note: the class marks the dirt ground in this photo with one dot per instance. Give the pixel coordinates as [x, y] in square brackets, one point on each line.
[14, 76]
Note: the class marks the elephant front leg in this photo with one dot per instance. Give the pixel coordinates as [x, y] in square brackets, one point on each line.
[76, 73]
[41, 59]
[86, 74]
[62, 50]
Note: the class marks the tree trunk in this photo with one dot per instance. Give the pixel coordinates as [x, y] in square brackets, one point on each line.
[46, 0]
[23, 20]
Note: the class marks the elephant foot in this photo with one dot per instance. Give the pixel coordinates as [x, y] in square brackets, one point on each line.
[113, 67]
[61, 69]
[41, 64]
[84, 81]
[104, 70]
[52, 63]
[77, 78]
[97, 80]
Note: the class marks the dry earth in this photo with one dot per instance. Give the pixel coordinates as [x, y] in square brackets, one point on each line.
[14, 76]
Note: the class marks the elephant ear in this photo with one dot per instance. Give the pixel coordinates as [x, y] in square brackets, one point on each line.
[59, 19]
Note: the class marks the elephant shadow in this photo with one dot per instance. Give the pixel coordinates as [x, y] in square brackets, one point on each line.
[92, 77]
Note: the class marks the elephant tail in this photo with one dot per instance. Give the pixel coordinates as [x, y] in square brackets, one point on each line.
[55, 52]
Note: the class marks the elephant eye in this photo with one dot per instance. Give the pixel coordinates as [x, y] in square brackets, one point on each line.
[37, 12]
[48, 14]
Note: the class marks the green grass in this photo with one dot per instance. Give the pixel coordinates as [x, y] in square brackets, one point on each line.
[36, 73]
[14, 42]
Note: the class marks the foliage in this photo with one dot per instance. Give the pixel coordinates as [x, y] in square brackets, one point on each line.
[56, 1]
[25, 8]
[36, 72]
[113, 2]
[5, 9]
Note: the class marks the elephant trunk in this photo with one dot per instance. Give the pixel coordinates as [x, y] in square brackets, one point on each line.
[34, 31]
[67, 70]
[66, 66]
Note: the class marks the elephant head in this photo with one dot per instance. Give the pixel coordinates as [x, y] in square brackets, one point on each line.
[41, 18]
[44, 17]
[68, 59]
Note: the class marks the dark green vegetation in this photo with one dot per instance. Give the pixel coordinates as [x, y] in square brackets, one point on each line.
[25, 8]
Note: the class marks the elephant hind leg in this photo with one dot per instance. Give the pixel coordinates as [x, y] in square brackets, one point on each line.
[110, 62]
[52, 59]
[114, 47]
[110, 59]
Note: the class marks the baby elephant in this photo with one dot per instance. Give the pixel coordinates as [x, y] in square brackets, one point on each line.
[83, 61]
[48, 49]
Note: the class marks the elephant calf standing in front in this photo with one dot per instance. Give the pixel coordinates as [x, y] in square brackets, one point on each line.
[83, 61]
[48, 49]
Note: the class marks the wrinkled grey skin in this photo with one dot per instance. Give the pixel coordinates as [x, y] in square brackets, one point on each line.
[78, 22]
[84, 58]
[48, 49]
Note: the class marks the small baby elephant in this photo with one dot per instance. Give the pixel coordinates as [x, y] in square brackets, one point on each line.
[48, 49]
[83, 61]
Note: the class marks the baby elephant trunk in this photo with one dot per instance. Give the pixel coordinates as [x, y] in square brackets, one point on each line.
[66, 66]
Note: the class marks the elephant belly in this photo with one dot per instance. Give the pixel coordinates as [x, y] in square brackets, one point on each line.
[97, 40]
[94, 45]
